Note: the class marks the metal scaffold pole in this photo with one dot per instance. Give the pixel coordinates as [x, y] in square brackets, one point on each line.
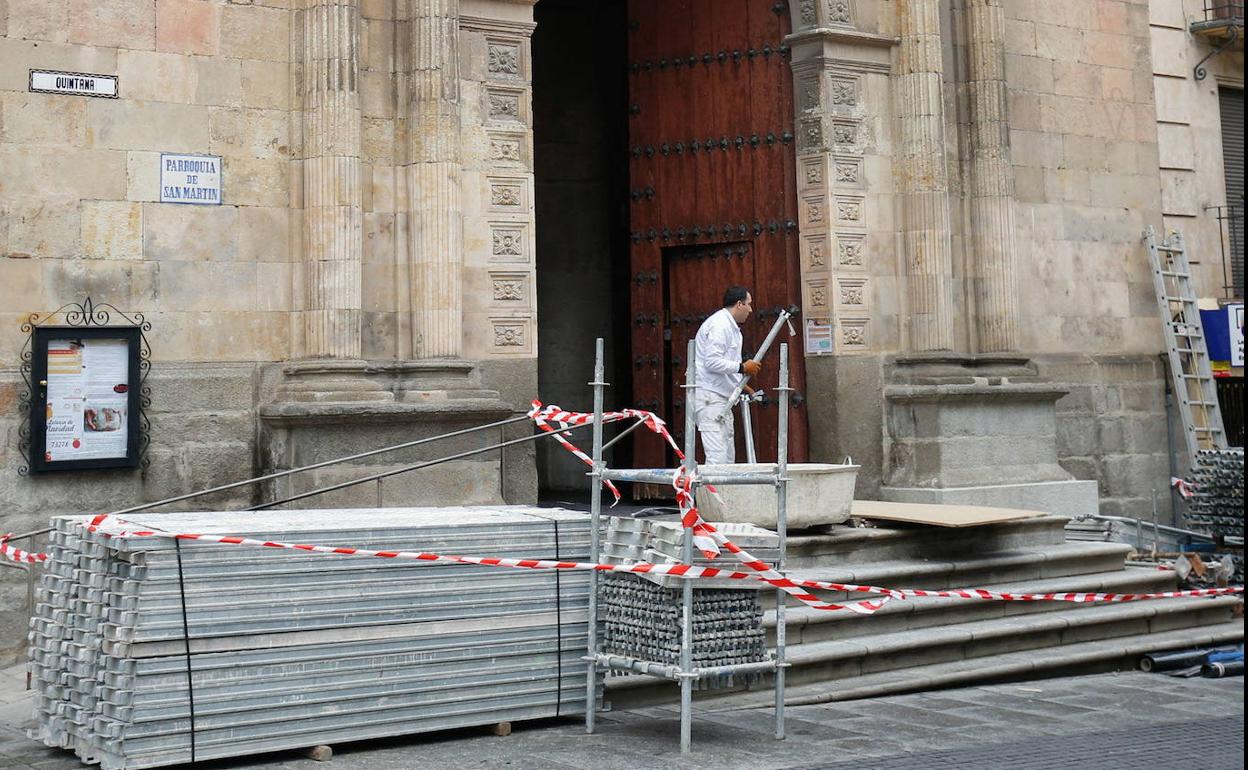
[782, 498]
[595, 514]
[686, 589]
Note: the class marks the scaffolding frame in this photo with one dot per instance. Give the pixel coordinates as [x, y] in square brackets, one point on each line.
[686, 674]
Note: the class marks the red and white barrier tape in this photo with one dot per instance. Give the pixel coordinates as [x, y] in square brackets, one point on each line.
[13, 553]
[1182, 487]
[708, 539]
[101, 525]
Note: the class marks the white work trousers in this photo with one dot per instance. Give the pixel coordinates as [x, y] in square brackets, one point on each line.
[715, 426]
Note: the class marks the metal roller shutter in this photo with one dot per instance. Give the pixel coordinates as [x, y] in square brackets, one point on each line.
[1232, 105]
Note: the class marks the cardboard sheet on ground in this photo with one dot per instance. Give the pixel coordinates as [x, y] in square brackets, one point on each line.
[938, 515]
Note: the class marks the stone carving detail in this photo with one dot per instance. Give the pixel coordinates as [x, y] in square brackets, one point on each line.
[508, 335]
[849, 211]
[844, 92]
[814, 212]
[810, 95]
[504, 195]
[852, 294]
[819, 296]
[814, 174]
[814, 134]
[849, 252]
[504, 149]
[505, 106]
[839, 12]
[855, 334]
[844, 133]
[807, 10]
[508, 243]
[508, 290]
[504, 60]
[847, 172]
[817, 258]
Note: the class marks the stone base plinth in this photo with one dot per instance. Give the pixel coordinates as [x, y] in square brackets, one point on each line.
[977, 430]
[304, 424]
[1064, 498]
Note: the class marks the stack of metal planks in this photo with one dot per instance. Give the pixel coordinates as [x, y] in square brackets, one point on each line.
[146, 654]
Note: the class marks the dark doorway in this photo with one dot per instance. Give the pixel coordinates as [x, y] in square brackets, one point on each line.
[581, 183]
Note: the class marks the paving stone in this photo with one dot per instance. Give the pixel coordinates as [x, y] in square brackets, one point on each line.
[1218, 743]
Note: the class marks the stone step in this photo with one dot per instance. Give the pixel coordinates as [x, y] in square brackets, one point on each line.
[1102, 655]
[837, 659]
[853, 545]
[805, 624]
[1045, 562]
[1040, 634]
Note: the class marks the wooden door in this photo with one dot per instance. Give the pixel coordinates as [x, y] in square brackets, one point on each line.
[712, 197]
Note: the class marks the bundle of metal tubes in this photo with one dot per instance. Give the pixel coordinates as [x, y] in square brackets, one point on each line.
[641, 614]
[149, 651]
[1217, 505]
[642, 620]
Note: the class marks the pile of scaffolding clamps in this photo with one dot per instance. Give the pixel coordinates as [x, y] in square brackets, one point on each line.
[150, 651]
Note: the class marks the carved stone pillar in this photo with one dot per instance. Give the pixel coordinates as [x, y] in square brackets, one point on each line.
[994, 256]
[333, 215]
[435, 208]
[922, 177]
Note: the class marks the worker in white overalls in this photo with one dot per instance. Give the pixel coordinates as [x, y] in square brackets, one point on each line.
[720, 367]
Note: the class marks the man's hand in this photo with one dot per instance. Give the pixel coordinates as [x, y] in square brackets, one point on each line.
[750, 367]
[748, 390]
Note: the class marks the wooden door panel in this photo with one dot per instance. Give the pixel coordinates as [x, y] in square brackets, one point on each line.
[713, 199]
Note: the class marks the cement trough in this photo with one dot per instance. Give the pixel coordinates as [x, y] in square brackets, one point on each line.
[818, 494]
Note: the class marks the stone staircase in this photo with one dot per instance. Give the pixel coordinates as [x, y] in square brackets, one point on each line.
[931, 643]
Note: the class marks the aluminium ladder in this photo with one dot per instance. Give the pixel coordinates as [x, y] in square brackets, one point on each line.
[1190, 372]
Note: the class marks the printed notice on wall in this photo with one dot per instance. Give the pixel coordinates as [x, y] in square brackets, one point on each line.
[192, 179]
[87, 399]
[819, 337]
[1235, 318]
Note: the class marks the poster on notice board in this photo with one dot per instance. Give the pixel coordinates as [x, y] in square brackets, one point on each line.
[84, 418]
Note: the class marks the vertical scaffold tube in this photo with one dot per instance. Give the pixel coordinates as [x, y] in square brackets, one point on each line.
[686, 604]
[595, 514]
[782, 501]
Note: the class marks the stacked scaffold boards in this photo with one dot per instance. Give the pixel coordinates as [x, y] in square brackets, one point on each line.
[1217, 504]
[291, 649]
[641, 614]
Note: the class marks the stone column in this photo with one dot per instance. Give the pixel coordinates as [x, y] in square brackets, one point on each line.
[333, 214]
[994, 257]
[922, 177]
[435, 208]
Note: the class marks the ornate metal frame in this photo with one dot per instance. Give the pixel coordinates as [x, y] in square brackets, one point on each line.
[85, 314]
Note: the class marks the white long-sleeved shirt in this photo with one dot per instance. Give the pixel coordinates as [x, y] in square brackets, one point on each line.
[719, 354]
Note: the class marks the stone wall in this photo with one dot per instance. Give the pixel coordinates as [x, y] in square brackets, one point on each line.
[1111, 428]
[1084, 149]
[1189, 135]
[81, 175]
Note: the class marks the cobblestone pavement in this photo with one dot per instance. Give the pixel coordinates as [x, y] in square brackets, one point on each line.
[1107, 721]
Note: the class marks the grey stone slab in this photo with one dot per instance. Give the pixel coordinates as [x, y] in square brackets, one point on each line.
[917, 715]
[763, 723]
[1034, 705]
[1216, 743]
